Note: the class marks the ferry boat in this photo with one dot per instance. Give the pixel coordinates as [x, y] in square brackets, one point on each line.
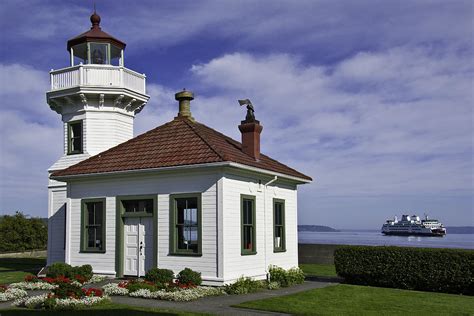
[412, 225]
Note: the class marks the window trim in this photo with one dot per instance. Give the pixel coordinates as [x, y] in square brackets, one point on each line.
[173, 249]
[69, 133]
[283, 243]
[84, 248]
[245, 252]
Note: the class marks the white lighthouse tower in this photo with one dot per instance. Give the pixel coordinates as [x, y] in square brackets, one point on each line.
[97, 98]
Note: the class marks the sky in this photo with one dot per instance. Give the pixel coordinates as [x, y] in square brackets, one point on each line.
[372, 99]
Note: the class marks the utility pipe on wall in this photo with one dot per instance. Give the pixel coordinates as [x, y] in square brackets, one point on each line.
[265, 219]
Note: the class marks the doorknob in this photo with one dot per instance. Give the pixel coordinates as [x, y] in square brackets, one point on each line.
[141, 247]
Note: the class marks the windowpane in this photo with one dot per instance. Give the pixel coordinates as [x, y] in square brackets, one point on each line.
[187, 224]
[279, 226]
[248, 240]
[94, 218]
[133, 206]
[75, 137]
[99, 53]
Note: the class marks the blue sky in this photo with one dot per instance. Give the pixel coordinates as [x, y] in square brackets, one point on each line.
[373, 99]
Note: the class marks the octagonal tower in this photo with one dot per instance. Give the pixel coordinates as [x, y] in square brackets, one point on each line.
[97, 98]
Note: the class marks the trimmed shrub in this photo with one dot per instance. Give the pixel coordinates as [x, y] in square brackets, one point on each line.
[135, 286]
[286, 277]
[65, 290]
[424, 269]
[59, 268]
[244, 286]
[157, 275]
[188, 276]
[84, 271]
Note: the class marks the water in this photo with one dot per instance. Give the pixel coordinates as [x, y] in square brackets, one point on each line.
[375, 238]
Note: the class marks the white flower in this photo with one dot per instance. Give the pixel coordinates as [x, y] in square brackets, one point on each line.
[70, 303]
[114, 289]
[12, 294]
[180, 295]
[33, 286]
[31, 302]
[96, 279]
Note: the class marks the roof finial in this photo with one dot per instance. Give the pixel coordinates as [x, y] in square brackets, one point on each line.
[95, 19]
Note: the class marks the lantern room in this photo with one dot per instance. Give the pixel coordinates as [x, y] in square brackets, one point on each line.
[96, 47]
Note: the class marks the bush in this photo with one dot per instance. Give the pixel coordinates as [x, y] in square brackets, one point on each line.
[79, 273]
[425, 269]
[157, 275]
[286, 278]
[65, 290]
[19, 233]
[135, 286]
[244, 286]
[188, 276]
[59, 268]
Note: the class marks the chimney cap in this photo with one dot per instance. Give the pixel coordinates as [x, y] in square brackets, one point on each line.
[184, 95]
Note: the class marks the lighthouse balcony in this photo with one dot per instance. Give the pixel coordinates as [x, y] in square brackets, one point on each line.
[97, 76]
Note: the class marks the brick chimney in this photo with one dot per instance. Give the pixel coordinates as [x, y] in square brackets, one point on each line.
[251, 129]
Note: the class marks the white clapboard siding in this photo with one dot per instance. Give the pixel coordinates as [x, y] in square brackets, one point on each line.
[56, 225]
[161, 186]
[235, 264]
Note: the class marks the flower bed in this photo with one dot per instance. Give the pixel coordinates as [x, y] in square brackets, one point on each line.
[173, 293]
[8, 294]
[47, 301]
[34, 283]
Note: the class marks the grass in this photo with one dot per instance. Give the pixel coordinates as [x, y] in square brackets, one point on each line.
[15, 269]
[313, 269]
[105, 309]
[363, 300]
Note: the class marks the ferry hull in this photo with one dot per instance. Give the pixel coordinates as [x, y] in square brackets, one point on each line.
[432, 234]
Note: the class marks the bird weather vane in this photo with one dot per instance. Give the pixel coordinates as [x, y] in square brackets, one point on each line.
[250, 110]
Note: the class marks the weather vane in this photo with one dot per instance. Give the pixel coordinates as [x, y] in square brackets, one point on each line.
[250, 110]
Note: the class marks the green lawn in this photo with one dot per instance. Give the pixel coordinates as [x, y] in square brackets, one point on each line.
[14, 269]
[313, 269]
[363, 300]
[106, 309]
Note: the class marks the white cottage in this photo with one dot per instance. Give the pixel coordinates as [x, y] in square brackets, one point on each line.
[180, 195]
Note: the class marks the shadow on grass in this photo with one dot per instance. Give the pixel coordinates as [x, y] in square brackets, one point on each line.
[101, 312]
[22, 264]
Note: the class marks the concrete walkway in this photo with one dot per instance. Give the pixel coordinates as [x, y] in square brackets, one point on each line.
[221, 305]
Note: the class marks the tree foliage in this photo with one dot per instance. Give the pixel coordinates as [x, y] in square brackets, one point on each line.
[19, 233]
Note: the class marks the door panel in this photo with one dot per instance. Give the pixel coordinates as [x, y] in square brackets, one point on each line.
[131, 246]
[138, 245]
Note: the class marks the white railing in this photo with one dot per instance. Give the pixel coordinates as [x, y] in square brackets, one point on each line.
[97, 75]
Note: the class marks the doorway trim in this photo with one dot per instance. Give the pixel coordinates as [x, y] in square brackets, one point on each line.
[119, 228]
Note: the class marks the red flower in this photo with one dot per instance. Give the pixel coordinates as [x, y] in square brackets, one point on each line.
[79, 278]
[93, 292]
[123, 284]
[48, 280]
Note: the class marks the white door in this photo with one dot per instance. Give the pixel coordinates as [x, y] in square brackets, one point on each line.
[138, 243]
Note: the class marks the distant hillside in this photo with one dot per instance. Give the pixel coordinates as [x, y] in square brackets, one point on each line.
[316, 228]
[460, 230]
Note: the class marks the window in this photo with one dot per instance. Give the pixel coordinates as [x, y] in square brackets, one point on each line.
[138, 206]
[93, 225]
[247, 206]
[279, 225]
[185, 224]
[99, 53]
[74, 137]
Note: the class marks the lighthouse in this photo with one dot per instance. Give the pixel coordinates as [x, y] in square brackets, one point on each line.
[97, 98]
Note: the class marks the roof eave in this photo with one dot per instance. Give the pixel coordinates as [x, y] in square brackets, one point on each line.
[299, 180]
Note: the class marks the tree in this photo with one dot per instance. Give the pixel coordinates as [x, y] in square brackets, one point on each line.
[19, 233]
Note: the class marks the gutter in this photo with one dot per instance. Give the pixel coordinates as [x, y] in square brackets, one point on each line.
[183, 167]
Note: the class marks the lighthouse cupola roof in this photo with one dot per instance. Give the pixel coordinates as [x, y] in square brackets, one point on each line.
[95, 46]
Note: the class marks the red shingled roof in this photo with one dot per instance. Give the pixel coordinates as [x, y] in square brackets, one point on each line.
[176, 143]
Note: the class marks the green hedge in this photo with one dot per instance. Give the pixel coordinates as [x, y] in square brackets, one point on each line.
[19, 233]
[424, 269]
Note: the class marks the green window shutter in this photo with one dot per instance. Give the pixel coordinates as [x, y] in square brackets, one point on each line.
[248, 225]
[93, 223]
[186, 224]
[279, 226]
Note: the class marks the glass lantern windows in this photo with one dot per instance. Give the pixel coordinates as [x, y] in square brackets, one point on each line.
[96, 53]
[99, 53]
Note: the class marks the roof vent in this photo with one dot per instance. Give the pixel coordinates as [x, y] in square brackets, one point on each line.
[184, 98]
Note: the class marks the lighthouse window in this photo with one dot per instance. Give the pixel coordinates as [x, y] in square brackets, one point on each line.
[99, 53]
[74, 137]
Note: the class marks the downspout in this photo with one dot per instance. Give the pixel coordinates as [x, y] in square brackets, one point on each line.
[265, 220]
